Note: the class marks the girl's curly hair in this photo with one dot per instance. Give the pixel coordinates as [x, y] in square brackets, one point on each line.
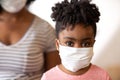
[75, 12]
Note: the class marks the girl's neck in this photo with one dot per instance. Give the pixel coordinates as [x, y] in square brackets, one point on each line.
[80, 72]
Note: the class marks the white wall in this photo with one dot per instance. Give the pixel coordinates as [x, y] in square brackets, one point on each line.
[107, 46]
[42, 8]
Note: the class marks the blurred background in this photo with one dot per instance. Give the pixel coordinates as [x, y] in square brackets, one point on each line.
[107, 45]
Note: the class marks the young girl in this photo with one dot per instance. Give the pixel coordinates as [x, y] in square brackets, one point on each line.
[76, 31]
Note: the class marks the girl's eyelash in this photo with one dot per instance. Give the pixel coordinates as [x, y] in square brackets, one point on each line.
[69, 43]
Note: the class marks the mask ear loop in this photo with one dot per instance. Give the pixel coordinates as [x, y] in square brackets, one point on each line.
[57, 44]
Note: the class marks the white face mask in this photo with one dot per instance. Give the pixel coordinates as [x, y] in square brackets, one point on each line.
[13, 6]
[74, 59]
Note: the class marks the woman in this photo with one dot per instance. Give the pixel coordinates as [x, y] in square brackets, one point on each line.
[27, 46]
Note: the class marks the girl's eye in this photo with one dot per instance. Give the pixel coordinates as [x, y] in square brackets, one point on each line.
[69, 43]
[86, 44]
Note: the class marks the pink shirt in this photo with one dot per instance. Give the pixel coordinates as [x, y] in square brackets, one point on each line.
[94, 73]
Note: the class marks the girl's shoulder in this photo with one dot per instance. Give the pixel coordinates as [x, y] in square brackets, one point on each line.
[97, 70]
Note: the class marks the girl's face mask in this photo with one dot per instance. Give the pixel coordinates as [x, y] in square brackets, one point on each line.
[74, 59]
[13, 6]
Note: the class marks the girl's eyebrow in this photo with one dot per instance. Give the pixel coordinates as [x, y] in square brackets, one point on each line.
[88, 38]
[72, 38]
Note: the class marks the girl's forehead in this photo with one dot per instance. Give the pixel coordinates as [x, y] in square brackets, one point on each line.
[78, 31]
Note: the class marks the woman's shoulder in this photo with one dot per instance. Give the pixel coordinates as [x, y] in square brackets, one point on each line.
[41, 22]
[41, 25]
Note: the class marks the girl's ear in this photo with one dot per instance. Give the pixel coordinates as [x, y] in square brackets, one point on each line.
[57, 44]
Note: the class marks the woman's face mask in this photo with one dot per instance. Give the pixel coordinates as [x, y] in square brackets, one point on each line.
[13, 6]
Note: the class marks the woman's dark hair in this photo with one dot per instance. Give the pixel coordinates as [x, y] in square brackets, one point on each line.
[75, 12]
[27, 3]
